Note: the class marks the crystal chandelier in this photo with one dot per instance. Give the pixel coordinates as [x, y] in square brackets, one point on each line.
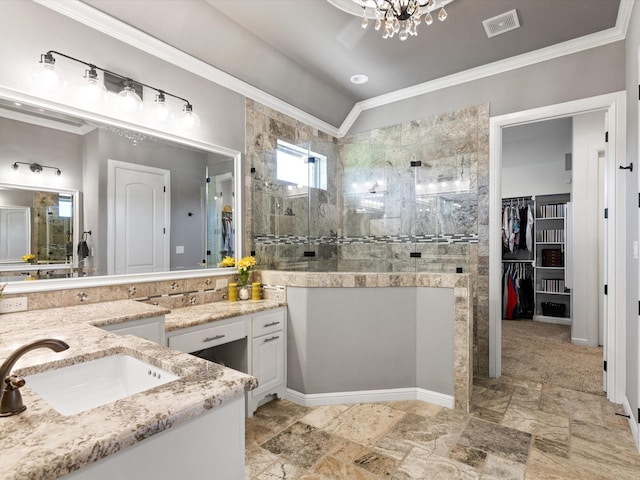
[401, 17]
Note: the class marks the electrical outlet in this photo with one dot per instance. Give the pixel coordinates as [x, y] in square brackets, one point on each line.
[16, 304]
[221, 283]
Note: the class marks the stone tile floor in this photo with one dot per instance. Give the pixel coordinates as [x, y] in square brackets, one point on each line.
[516, 430]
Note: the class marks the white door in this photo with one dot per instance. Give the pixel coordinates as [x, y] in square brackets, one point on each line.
[15, 227]
[138, 219]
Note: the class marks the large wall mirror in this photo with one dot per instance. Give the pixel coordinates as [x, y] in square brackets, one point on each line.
[90, 199]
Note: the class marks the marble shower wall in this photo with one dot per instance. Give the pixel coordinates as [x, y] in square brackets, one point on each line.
[416, 187]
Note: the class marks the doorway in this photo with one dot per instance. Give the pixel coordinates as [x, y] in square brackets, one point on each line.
[550, 192]
[614, 106]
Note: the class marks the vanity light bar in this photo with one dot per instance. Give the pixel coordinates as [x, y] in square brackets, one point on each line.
[129, 91]
[36, 167]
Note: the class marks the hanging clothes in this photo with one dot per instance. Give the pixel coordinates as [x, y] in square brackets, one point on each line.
[517, 291]
[529, 228]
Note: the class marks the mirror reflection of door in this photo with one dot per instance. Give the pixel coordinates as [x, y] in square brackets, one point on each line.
[220, 213]
[138, 219]
[14, 233]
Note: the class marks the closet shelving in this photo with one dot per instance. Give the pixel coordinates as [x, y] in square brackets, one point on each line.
[545, 260]
[552, 298]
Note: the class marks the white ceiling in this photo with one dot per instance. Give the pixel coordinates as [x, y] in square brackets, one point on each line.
[303, 52]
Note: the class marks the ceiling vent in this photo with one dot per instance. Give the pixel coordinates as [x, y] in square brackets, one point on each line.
[501, 23]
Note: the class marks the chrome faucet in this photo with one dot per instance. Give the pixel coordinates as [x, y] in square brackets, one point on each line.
[10, 397]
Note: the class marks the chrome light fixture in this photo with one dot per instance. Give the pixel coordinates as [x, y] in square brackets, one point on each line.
[397, 17]
[129, 92]
[36, 167]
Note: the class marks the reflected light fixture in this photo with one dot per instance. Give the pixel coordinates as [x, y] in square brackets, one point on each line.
[397, 17]
[36, 167]
[129, 91]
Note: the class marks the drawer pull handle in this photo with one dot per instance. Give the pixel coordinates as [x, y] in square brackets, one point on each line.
[211, 339]
[270, 324]
[270, 339]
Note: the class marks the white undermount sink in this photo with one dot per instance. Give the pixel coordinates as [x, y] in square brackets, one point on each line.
[87, 385]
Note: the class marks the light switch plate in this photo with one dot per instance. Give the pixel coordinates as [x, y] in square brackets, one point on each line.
[179, 249]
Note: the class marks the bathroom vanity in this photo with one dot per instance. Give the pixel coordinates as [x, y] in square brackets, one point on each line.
[198, 417]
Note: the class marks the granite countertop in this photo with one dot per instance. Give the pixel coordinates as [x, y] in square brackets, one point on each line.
[41, 443]
[210, 312]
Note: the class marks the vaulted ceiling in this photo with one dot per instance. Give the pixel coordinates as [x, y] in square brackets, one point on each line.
[304, 52]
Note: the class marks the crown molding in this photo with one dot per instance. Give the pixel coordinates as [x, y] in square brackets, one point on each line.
[102, 22]
[97, 20]
[576, 45]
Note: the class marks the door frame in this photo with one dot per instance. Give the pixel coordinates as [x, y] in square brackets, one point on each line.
[112, 165]
[615, 106]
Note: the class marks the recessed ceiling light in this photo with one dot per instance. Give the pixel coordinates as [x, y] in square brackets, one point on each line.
[359, 79]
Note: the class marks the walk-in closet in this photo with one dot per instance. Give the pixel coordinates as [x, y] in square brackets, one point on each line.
[552, 189]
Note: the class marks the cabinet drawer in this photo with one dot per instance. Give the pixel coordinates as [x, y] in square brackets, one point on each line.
[208, 337]
[267, 323]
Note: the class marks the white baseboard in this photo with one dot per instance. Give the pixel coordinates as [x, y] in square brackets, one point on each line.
[369, 396]
[632, 422]
[549, 319]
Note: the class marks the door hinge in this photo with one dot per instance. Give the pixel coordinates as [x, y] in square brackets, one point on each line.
[639, 307]
[604, 365]
[415, 163]
[606, 137]
[639, 99]
[208, 179]
[164, 230]
[638, 199]
[164, 189]
[415, 254]
[309, 254]
[252, 253]
[638, 417]
[606, 289]
[253, 170]
[606, 213]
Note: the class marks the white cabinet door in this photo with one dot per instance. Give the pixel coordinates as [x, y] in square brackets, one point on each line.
[268, 363]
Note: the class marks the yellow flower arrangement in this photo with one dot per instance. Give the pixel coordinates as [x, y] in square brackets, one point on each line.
[227, 262]
[29, 257]
[245, 265]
